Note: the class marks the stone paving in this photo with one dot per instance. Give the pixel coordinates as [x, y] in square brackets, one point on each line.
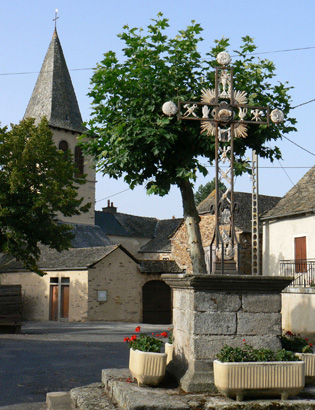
[116, 392]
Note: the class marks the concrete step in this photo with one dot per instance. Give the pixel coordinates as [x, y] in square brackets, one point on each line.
[91, 397]
[59, 401]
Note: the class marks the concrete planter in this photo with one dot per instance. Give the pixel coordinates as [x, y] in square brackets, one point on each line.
[309, 359]
[147, 367]
[259, 379]
[169, 349]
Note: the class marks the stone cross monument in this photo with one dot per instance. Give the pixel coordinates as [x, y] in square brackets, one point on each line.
[210, 311]
[225, 114]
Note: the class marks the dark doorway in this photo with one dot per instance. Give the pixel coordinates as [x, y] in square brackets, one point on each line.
[157, 303]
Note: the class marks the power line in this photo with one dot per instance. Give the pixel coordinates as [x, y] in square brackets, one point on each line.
[304, 149]
[307, 102]
[47, 71]
[108, 197]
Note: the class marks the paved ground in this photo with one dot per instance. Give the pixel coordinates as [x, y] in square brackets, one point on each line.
[58, 356]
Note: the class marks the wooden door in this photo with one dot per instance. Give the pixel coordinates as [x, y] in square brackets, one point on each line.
[54, 291]
[65, 301]
[157, 304]
[300, 254]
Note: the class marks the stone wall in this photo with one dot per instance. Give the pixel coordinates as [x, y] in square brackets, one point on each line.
[87, 190]
[180, 249]
[119, 276]
[211, 311]
[36, 293]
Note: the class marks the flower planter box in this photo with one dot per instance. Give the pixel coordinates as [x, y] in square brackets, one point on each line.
[309, 359]
[147, 367]
[169, 351]
[259, 379]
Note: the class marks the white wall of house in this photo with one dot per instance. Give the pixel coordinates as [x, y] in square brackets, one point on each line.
[278, 240]
[298, 312]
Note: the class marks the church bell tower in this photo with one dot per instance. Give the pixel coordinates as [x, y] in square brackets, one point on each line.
[54, 98]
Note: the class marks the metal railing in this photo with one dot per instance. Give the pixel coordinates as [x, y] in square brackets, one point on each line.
[303, 271]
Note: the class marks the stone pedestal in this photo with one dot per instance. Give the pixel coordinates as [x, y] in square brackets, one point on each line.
[210, 311]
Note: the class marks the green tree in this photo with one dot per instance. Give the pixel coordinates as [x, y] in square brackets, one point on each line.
[204, 191]
[36, 182]
[135, 140]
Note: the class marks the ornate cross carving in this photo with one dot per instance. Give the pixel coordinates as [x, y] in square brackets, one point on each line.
[225, 114]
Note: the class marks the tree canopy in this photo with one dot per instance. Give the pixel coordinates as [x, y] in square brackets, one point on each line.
[136, 141]
[204, 190]
[36, 182]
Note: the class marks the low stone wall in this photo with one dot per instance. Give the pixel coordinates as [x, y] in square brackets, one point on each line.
[211, 311]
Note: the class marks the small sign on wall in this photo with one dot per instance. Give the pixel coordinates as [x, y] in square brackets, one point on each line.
[102, 295]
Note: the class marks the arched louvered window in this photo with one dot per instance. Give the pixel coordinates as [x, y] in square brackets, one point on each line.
[79, 161]
[63, 145]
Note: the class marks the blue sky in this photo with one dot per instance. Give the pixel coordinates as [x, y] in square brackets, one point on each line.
[89, 29]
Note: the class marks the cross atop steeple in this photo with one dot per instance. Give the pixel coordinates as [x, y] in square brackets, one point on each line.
[56, 18]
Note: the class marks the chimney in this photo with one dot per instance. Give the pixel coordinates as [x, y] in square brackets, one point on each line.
[110, 209]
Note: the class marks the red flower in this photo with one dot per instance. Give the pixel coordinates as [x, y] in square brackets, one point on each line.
[133, 337]
[126, 339]
[137, 329]
[244, 340]
[311, 344]
[289, 333]
[306, 339]
[129, 380]
[157, 335]
[163, 334]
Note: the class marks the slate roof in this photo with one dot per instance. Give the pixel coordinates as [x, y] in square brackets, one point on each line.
[161, 242]
[126, 225]
[51, 259]
[109, 224]
[243, 218]
[53, 95]
[87, 236]
[299, 200]
[159, 266]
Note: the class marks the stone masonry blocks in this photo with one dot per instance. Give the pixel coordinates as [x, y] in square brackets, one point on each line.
[267, 303]
[215, 323]
[258, 323]
[217, 301]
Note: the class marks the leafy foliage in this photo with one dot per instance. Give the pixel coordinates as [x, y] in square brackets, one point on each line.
[136, 141]
[248, 354]
[296, 343]
[146, 343]
[36, 181]
[204, 191]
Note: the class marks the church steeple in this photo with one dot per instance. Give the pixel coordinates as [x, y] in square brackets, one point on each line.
[53, 95]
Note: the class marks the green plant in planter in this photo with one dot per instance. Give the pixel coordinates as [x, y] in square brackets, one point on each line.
[248, 354]
[144, 342]
[296, 343]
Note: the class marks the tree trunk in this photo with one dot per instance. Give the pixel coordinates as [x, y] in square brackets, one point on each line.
[192, 219]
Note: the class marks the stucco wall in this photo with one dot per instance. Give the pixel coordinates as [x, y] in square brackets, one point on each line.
[36, 293]
[120, 277]
[298, 312]
[87, 190]
[278, 241]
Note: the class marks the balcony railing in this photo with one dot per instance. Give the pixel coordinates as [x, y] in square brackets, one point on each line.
[303, 271]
